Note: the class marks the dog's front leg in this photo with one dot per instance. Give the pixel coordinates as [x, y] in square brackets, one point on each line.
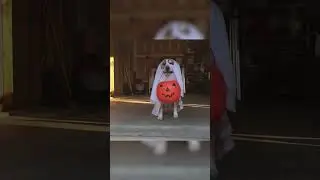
[160, 148]
[160, 115]
[194, 146]
[175, 110]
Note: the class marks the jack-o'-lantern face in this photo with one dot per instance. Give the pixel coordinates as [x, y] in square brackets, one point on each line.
[168, 92]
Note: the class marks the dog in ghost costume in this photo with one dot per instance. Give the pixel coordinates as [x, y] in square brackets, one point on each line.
[168, 70]
[173, 30]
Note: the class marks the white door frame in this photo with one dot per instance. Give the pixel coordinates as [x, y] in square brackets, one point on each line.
[234, 51]
[1, 53]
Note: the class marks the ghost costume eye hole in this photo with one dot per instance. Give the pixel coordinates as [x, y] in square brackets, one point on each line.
[163, 64]
[168, 34]
[184, 29]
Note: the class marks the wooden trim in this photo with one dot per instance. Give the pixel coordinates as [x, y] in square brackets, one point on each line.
[160, 15]
[1, 52]
[6, 56]
[159, 55]
[7, 48]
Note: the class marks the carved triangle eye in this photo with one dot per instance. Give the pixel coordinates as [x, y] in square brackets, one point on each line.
[168, 34]
[185, 30]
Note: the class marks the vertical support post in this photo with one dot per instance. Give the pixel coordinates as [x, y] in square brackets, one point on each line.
[1, 53]
[234, 51]
[237, 60]
[6, 49]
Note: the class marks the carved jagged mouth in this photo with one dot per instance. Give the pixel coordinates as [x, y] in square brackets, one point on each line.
[168, 95]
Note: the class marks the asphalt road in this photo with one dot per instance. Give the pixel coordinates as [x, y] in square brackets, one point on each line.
[135, 161]
[29, 153]
[270, 161]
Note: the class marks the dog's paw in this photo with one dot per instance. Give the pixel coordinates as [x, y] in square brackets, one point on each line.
[160, 117]
[160, 148]
[175, 115]
[194, 146]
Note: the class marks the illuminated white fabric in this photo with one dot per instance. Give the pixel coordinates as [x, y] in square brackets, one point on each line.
[179, 30]
[160, 77]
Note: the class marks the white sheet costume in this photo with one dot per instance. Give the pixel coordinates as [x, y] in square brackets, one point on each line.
[220, 47]
[160, 76]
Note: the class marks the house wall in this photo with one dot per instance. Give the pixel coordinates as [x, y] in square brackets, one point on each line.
[26, 35]
[30, 43]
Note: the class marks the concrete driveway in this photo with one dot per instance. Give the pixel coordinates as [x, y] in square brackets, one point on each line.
[130, 118]
[135, 161]
[35, 153]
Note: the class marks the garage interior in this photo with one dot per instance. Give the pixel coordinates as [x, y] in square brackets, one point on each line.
[136, 56]
[132, 27]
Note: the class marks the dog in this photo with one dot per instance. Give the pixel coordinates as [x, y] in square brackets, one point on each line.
[160, 147]
[167, 70]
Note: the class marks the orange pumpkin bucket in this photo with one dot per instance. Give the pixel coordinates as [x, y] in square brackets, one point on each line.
[168, 92]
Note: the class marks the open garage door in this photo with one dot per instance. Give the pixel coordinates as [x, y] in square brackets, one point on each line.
[130, 112]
